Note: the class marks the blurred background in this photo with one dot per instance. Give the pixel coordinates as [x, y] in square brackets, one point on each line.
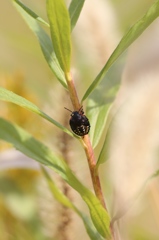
[27, 209]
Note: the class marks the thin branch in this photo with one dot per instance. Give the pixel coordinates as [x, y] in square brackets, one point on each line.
[88, 148]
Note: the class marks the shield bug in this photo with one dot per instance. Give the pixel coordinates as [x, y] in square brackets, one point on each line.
[79, 123]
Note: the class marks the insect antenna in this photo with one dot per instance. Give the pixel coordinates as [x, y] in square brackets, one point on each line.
[68, 109]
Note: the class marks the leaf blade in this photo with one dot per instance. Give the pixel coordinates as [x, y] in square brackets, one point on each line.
[61, 198]
[98, 106]
[104, 153]
[135, 31]
[8, 96]
[34, 149]
[75, 9]
[60, 32]
[31, 13]
[43, 39]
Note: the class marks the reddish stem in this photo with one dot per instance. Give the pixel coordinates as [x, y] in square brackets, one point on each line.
[92, 166]
[88, 148]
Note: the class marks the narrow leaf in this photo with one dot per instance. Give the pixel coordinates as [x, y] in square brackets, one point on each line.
[75, 9]
[60, 32]
[100, 100]
[9, 96]
[31, 13]
[61, 198]
[104, 154]
[100, 123]
[135, 31]
[44, 41]
[97, 116]
[34, 149]
[98, 106]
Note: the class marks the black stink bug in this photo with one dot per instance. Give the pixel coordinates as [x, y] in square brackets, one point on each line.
[79, 123]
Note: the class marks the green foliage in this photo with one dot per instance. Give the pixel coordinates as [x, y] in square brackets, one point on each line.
[43, 39]
[31, 13]
[60, 197]
[98, 107]
[57, 52]
[100, 102]
[133, 33]
[60, 32]
[75, 10]
[34, 149]
[9, 96]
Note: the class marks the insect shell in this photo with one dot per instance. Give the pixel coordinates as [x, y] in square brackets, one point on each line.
[79, 123]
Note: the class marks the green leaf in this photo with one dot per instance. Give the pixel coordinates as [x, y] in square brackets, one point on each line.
[98, 106]
[99, 102]
[60, 32]
[97, 116]
[104, 154]
[34, 149]
[100, 123]
[75, 9]
[44, 40]
[135, 31]
[61, 198]
[31, 13]
[9, 96]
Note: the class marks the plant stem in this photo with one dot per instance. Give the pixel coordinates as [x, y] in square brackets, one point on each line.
[88, 148]
[72, 92]
[86, 143]
[92, 166]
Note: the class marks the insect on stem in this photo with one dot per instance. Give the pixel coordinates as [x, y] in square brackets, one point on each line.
[79, 123]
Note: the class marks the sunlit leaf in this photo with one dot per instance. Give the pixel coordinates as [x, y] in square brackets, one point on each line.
[98, 105]
[135, 31]
[61, 198]
[100, 100]
[44, 41]
[75, 9]
[104, 153]
[31, 13]
[9, 96]
[60, 31]
[34, 149]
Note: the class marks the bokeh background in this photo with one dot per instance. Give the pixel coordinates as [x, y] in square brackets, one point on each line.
[27, 209]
